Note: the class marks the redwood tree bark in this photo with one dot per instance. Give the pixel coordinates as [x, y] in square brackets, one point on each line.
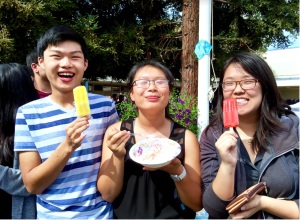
[190, 36]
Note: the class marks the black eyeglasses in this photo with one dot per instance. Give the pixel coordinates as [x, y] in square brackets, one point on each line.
[245, 84]
[144, 83]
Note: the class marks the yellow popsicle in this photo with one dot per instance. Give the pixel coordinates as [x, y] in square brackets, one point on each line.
[81, 101]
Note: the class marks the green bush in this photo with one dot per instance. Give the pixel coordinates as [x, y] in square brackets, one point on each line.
[127, 109]
[182, 109]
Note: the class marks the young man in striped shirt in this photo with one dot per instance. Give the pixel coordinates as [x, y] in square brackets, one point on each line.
[59, 152]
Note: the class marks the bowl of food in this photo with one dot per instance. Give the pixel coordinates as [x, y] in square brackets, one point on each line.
[154, 152]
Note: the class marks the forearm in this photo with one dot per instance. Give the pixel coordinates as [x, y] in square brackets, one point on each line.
[189, 188]
[11, 181]
[42, 175]
[190, 193]
[111, 175]
[285, 209]
[224, 180]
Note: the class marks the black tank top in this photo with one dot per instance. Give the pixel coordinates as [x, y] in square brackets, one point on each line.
[150, 194]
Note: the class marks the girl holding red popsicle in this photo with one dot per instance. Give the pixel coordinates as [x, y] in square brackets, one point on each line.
[263, 145]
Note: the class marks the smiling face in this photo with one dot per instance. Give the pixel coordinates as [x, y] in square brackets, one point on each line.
[154, 97]
[64, 64]
[249, 101]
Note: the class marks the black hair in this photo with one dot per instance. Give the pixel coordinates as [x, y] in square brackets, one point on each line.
[16, 89]
[157, 65]
[272, 106]
[58, 34]
[121, 97]
[31, 57]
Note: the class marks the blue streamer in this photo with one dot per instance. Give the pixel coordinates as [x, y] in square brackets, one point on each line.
[202, 48]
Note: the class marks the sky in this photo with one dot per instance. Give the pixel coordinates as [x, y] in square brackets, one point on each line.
[295, 44]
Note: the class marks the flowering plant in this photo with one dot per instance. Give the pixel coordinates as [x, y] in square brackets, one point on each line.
[127, 109]
[182, 109]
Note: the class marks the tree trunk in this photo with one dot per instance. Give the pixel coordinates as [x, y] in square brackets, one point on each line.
[189, 65]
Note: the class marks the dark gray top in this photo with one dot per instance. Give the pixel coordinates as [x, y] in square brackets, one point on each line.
[278, 166]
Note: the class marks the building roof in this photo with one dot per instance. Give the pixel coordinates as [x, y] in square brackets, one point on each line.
[285, 65]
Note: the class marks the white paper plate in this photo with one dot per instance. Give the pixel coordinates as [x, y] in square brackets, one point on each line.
[154, 152]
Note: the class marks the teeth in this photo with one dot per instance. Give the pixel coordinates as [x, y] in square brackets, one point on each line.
[66, 74]
[241, 100]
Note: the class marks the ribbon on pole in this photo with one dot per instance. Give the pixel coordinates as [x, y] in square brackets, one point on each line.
[202, 48]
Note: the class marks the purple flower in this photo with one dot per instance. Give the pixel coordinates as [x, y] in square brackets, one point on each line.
[180, 101]
[187, 121]
[179, 116]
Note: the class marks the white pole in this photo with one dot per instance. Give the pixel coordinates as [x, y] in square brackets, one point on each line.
[204, 64]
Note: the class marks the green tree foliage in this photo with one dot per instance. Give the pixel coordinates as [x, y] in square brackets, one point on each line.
[121, 32]
[130, 31]
[22, 23]
[247, 25]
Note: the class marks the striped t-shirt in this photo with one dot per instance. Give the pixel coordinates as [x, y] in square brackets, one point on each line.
[40, 126]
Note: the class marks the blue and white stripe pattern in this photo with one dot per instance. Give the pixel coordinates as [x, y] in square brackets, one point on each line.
[40, 126]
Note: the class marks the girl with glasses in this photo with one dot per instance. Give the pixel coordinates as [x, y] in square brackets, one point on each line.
[172, 191]
[264, 146]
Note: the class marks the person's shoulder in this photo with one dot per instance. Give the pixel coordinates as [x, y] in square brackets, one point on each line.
[211, 132]
[97, 101]
[290, 126]
[190, 135]
[36, 103]
[99, 97]
[95, 95]
[289, 118]
[290, 121]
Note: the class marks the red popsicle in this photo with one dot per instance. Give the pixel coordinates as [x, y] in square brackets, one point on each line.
[230, 113]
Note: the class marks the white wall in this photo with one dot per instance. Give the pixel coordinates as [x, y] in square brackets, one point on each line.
[284, 63]
[286, 67]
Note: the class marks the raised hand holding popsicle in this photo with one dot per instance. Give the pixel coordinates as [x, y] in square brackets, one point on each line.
[230, 113]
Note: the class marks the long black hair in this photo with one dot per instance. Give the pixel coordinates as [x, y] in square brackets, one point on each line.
[16, 89]
[272, 106]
